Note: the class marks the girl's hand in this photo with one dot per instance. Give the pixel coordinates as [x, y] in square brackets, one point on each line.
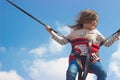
[48, 28]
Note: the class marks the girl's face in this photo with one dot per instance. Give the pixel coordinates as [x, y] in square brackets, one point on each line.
[90, 25]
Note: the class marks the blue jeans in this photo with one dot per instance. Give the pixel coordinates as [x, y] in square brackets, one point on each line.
[96, 67]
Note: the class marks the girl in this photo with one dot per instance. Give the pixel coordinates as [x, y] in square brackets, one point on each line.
[84, 32]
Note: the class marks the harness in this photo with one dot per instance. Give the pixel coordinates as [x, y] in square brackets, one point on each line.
[85, 52]
[80, 47]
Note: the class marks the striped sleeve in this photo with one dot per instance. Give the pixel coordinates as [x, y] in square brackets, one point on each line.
[59, 39]
[111, 40]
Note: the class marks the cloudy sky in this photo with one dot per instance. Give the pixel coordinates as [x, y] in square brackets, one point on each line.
[27, 51]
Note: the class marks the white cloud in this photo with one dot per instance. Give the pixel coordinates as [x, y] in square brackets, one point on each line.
[2, 49]
[38, 51]
[55, 47]
[63, 28]
[115, 62]
[52, 47]
[11, 75]
[91, 77]
[48, 70]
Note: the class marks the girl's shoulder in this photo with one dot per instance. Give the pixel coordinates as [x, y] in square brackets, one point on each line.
[95, 31]
[82, 31]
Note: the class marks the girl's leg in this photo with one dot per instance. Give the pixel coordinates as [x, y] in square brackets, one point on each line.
[72, 70]
[99, 71]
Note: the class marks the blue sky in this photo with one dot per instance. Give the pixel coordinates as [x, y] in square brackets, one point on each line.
[27, 51]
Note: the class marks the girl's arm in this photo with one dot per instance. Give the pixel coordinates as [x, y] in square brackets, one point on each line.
[56, 37]
[109, 41]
